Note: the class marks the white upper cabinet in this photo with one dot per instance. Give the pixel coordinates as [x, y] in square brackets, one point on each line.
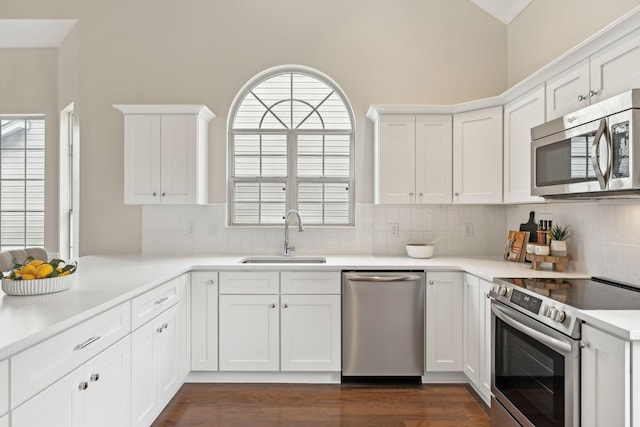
[413, 159]
[616, 68]
[607, 72]
[568, 91]
[477, 156]
[519, 117]
[433, 159]
[165, 153]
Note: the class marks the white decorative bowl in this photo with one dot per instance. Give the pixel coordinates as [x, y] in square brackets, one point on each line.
[542, 250]
[38, 286]
[419, 250]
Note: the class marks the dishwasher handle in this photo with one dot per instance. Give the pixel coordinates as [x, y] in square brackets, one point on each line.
[361, 278]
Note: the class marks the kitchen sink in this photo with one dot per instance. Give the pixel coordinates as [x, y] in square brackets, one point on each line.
[283, 260]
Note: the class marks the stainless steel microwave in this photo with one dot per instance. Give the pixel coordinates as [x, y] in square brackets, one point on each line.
[593, 153]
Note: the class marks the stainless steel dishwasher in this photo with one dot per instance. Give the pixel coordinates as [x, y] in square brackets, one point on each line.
[383, 324]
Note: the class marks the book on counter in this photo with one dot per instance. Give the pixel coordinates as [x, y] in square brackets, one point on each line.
[516, 246]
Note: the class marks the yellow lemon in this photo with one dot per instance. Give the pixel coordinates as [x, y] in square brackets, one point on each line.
[44, 271]
[28, 269]
[28, 277]
[65, 273]
[36, 263]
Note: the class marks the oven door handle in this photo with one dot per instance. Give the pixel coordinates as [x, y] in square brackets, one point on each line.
[552, 343]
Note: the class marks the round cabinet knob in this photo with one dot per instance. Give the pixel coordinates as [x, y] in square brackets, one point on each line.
[95, 377]
[592, 93]
[272, 306]
[456, 194]
[285, 305]
[83, 386]
[165, 326]
[154, 194]
[211, 282]
[410, 194]
[581, 98]
[420, 194]
[164, 194]
[431, 282]
[159, 329]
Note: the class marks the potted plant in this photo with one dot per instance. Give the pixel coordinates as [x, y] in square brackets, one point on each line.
[559, 235]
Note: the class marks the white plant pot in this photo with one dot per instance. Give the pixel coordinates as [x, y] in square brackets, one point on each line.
[558, 248]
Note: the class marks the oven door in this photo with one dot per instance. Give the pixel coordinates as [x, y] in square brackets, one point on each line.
[535, 371]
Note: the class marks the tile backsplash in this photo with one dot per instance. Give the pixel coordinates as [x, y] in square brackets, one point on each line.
[605, 237]
[380, 230]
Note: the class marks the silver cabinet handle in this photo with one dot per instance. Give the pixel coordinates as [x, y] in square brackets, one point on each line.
[164, 194]
[581, 98]
[456, 194]
[86, 343]
[161, 300]
[592, 93]
[431, 282]
[165, 326]
[272, 306]
[94, 377]
[285, 305]
[603, 131]
[159, 329]
[154, 194]
[410, 194]
[83, 386]
[420, 194]
[584, 344]
[211, 282]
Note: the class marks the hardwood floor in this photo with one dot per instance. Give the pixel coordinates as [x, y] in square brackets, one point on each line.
[267, 405]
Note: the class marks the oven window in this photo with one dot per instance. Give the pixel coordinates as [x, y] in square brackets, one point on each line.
[530, 375]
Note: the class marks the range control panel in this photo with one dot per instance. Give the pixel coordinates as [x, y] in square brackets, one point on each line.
[526, 301]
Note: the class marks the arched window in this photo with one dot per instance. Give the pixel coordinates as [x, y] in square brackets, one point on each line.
[291, 139]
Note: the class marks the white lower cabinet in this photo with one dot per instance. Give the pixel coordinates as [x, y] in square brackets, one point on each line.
[4, 421]
[204, 321]
[96, 394]
[299, 330]
[155, 366]
[310, 333]
[477, 334]
[444, 321]
[606, 379]
[249, 333]
[4, 387]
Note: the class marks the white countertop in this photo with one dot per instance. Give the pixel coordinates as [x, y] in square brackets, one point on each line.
[106, 281]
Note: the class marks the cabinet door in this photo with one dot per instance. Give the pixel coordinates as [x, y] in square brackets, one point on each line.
[433, 156]
[568, 91]
[615, 68]
[179, 167]
[471, 330]
[249, 333]
[606, 372]
[485, 341]
[142, 159]
[444, 322]
[183, 338]
[144, 381]
[519, 117]
[4, 387]
[204, 321]
[168, 351]
[60, 404]
[310, 333]
[477, 156]
[4, 421]
[108, 395]
[395, 159]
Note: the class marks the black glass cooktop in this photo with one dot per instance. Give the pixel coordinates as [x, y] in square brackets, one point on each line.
[584, 294]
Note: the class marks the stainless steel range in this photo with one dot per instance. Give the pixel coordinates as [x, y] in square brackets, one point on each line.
[535, 378]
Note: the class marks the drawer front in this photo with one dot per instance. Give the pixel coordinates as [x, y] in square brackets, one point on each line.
[245, 282]
[151, 303]
[41, 365]
[314, 282]
[4, 387]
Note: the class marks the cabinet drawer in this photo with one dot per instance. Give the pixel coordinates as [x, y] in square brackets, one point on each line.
[314, 282]
[4, 387]
[245, 282]
[37, 367]
[150, 304]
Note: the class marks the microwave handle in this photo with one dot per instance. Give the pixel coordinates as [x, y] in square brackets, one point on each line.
[603, 177]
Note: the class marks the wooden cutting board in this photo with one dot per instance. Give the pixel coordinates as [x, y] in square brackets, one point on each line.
[531, 227]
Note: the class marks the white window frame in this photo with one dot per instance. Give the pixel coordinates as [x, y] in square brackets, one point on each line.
[25, 241]
[291, 180]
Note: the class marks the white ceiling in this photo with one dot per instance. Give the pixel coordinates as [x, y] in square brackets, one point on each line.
[504, 10]
[34, 33]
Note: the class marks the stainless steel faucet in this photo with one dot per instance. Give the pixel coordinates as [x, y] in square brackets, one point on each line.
[288, 249]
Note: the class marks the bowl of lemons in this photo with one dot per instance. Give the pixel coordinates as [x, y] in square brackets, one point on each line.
[38, 277]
